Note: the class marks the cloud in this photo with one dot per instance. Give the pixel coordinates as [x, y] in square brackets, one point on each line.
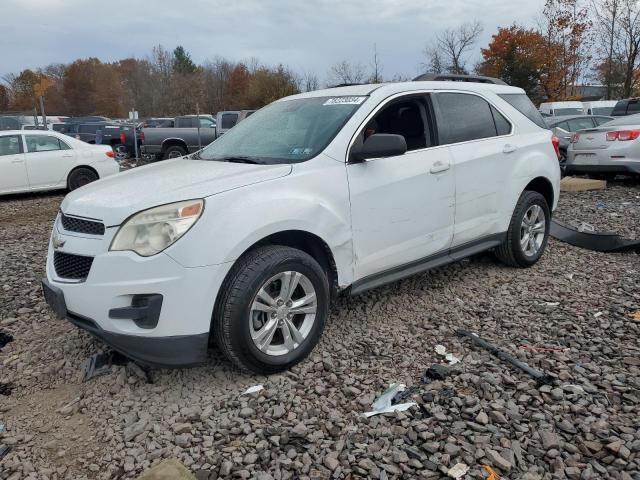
[307, 36]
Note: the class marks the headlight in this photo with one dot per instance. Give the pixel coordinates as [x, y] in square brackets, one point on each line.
[151, 231]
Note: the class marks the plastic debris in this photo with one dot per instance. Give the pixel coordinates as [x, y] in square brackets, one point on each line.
[458, 471]
[100, 364]
[4, 451]
[540, 377]
[450, 357]
[552, 304]
[492, 473]
[597, 314]
[254, 389]
[1, 427]
[5, 338]
[635, 316]
[584, 236]
[383, 404]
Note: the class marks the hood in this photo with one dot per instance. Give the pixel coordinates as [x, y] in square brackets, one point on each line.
[116, 197]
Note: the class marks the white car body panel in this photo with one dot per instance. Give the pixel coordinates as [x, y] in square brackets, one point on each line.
[373, 216]
[49, 170]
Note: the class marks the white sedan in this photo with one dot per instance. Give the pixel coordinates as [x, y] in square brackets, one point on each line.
[46, 160]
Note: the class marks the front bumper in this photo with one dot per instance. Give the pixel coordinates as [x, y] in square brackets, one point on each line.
[182, 350]
[152, 309]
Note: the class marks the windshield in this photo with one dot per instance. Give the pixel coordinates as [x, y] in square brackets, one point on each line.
[558, 112]
[601, 110]
[288, 131]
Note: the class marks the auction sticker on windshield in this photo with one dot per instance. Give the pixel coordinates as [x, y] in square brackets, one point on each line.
[345, 101]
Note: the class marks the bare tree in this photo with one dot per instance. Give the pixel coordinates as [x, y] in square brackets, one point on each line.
[630, 43]
[309, 82]
[346, 72]
[607, 20]
[450, 47]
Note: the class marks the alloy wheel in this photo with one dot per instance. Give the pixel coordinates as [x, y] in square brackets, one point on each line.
[532, 230]
[282, 313]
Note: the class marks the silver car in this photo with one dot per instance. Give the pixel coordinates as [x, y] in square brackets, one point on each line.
[605, 151]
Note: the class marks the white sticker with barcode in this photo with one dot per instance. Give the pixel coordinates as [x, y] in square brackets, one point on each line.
[345, 101]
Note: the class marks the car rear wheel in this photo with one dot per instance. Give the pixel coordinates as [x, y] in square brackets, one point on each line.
[80, 177]
[174, 151]
[272, 309]
[528, 231]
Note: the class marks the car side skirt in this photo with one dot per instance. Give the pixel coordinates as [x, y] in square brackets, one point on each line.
[427, 263]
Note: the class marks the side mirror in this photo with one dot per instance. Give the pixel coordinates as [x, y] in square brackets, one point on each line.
[379, 145]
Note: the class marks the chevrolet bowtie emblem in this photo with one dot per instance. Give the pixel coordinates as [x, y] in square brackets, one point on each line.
[57, 242]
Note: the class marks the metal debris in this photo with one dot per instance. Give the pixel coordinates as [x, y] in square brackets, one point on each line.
[540, 377]
[4, 451]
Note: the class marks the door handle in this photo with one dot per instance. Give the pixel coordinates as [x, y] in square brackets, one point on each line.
[17, 161]
[438, 167]
[508, 148]
[68, 155]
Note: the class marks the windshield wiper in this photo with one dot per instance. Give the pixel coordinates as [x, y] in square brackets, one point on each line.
[241, 160]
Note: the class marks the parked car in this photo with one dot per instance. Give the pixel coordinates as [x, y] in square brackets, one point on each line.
[47, 160]
[557, 109]
[564, 126]
[600, 107]
[342, 189]
[607, 150]
[628, 106]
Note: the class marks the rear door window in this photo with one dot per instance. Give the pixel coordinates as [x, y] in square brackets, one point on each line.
[464, 117]
[633, 107]
[503, 127]
[521, 102]
[576, 124]
[43, 143]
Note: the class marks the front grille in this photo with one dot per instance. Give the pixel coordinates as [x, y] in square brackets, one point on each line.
[80, 225]
[73, 267]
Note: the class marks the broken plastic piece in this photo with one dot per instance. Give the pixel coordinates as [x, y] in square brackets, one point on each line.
[450, 357]
[383, 403]
[458, 471]
[541, 378]
[585, 227]
[635, 316]
[591, 240]
[101, 363]
[435, 372]
[492, 473]
[441, 349]
[254, 389]
[4, 451]
[5, 338]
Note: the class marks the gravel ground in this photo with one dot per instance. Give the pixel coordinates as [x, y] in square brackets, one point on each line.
[308, 423]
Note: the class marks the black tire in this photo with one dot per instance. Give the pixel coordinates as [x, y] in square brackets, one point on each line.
[231, 319]
[511, 252]
[80, 177]
[174, 151]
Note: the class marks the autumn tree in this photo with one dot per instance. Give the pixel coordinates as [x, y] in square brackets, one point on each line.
[448, 52]
[4, 98]
[517, 56]
[23, 90]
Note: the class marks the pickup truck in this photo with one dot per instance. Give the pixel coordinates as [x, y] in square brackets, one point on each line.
[183, 137]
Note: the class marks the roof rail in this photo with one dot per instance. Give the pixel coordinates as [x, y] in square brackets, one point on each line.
[451, 77]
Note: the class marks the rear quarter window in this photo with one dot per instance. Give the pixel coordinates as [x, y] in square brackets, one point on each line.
[521, 102]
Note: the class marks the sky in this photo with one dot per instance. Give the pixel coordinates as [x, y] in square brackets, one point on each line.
[307, 36]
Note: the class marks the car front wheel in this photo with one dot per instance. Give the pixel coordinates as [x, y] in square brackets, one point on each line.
[528, 231]
[272, 309]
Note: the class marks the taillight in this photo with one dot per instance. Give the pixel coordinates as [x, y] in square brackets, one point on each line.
[110, 154]
[556, 145]
[575, 137]
[123, 138]
[141, 136]
[623, 135]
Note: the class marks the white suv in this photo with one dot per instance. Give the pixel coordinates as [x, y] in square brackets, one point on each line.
[246, 241]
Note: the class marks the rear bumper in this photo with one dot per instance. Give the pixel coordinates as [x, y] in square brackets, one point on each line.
[621, 169]
[172, 351]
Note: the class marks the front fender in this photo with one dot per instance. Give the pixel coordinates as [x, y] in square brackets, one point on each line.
[314, 198]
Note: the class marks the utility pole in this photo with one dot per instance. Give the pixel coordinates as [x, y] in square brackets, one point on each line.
[44, 115]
